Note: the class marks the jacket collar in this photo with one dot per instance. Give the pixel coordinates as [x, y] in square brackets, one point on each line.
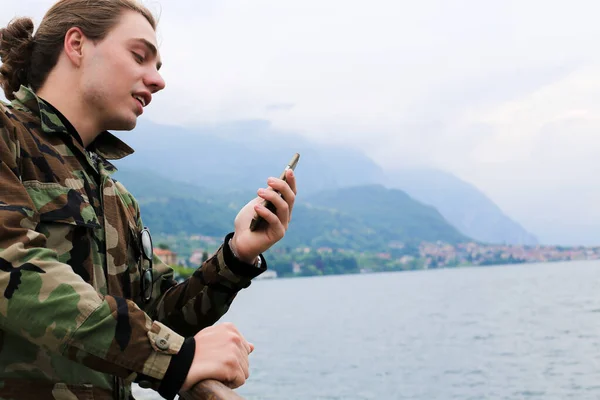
[106, 144]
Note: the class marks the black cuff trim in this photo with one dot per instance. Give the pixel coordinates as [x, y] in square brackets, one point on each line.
[178, 370]
[241, 268]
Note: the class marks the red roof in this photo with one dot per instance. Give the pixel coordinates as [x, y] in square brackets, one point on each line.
[162, 252]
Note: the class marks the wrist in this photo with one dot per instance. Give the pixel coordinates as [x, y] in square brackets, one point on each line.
[242, 257]
[175, 378]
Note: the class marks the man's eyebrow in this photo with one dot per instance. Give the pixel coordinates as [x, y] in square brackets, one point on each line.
[152, 48]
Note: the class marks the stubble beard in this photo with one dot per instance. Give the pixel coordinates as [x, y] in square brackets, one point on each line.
[107, 111]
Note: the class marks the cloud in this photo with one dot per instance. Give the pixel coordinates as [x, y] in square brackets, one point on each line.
[280, 107]
[540, 156]
[504, 94]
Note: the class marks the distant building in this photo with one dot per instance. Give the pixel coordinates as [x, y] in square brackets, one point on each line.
[296, 268]
[199, 256]
[196, 257]
[406, 259]
[167, 256]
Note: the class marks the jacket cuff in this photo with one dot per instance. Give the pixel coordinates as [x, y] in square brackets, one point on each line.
[178, 370]
[238, 267]
[166, 345]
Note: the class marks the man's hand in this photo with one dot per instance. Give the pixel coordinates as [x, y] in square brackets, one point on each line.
[221, 354]
[247, 245]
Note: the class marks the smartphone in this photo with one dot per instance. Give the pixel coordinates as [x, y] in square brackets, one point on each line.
[259, 222]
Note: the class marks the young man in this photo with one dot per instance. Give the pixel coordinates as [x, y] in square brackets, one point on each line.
[83, 312]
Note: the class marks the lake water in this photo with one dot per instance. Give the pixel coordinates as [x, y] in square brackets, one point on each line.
[507, 332]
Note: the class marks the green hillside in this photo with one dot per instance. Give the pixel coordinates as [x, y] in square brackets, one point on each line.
[391, 213]
[365, 218]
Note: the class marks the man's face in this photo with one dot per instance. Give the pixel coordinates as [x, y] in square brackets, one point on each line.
[120, 73]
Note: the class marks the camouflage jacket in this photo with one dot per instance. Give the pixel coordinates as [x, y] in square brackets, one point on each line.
[71, 316]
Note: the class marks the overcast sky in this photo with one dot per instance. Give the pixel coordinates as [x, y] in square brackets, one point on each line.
[505, 94]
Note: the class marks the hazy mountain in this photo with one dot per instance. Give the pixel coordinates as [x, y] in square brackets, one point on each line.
[462, 204]
[241, 155]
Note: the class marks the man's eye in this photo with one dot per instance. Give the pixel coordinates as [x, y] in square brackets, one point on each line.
[138, 58]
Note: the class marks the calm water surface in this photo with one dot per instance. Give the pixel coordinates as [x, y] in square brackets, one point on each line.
[511, 332]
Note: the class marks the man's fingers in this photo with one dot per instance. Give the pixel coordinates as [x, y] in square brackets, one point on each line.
[285, 188]
[271, 218]
[283, 196]
[283, 203]
[291, 183]
[236, 382]
[241, 370]
[222, 354]
[245, 366]
[283, 213]
[291, 180]
[249, 347]
[279, 203]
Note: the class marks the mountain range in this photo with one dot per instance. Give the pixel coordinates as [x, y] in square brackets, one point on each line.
[233, 160]
[365, 218]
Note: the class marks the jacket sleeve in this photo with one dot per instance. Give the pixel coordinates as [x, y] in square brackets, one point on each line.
[44, 301]
[205, 297]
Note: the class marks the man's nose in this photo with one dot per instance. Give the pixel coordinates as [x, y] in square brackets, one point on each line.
[155, 82]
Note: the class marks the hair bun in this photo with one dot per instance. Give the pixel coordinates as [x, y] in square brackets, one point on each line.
[16, 45]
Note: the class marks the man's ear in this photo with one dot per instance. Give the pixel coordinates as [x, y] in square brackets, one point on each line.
[73, 46]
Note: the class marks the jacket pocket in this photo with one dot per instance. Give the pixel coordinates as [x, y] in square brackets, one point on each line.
[71, 228]
[61, 204]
